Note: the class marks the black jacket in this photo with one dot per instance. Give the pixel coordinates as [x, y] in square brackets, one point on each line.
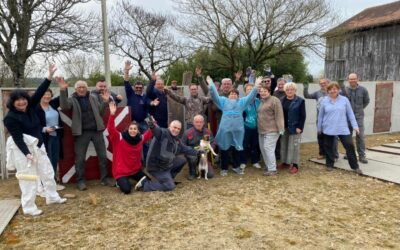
[19, 123]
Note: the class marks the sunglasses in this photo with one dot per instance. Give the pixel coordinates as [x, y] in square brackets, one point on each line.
[265, 81]
[138, 87]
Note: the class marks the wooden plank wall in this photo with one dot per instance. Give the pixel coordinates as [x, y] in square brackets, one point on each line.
[373, 54]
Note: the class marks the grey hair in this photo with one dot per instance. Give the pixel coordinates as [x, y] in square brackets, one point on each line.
[80, 82]
[290, 85]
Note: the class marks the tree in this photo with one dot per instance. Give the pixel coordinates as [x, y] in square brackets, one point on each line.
[258, 30]
[29, 27]
[144, 37]
[81, 65]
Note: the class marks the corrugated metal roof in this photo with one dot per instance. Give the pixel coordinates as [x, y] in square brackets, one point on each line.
[369, 18]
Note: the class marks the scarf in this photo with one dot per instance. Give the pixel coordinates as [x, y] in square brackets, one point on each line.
[131, 140]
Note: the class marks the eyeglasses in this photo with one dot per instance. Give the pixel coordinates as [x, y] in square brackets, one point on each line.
[138, 87]
[265, 81]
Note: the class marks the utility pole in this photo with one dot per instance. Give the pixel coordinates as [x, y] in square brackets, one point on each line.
[106, 43]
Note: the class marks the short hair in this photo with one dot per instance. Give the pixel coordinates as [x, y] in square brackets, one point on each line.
[226, 79]
[15, 95]
[80, 82]
[193, 84]
[248, 85]
[326, 79]
[199, 116]
[290, 85]
[281, 79]
[233, 90]
[138, 83]
[266, 87]
[333, 85]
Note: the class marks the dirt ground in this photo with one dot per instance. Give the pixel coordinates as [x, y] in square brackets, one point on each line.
[313, 209]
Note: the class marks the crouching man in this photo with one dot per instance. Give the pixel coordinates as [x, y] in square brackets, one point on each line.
[163, 160]
[192, 138]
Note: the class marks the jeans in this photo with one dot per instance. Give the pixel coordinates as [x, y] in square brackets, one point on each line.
[81, 144]
[53, 147]
[251, 146]
[142, 128]
[225, 158]
[124, 184]
[267, 147]
[164, 179]
[347, 142]
[360, 138]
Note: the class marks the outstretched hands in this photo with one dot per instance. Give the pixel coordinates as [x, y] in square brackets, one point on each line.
[62, 84]
[209, 80]
[52, 69]
[113, 108]
[106, 95]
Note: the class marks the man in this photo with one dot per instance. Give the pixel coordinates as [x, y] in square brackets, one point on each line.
[101, 86]
[279, 92]
[87, 125]
[159, 104]
[318, 96]
[194, 105]
[192, 138]
[174, 85]
[162, 160]
[359, 99]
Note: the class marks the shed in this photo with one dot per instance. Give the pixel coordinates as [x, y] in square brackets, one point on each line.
[367, 44]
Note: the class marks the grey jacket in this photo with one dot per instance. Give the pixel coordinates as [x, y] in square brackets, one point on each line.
[72, 103]
[359, 99]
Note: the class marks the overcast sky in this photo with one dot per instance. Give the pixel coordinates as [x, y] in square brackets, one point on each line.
[345, 8]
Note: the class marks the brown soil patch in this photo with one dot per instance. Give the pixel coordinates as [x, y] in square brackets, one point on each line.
[313, 209]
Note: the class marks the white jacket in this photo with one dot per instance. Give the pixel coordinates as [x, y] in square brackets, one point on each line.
[16, 159]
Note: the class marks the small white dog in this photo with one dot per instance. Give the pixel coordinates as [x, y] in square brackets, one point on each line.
[203, 162]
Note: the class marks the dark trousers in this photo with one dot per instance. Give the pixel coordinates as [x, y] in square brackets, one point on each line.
[251, 146]
[164, 179]
[124, 183]
[81, 144]
[278, 149]
[193, 162]
[53, 151]
[347, 142]
[142, 128]
[321, 148]
[225, 158]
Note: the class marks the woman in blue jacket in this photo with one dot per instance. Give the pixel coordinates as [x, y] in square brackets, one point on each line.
[294, 111]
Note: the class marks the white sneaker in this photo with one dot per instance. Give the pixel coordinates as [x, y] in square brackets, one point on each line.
[224, 172]
[57, 201]
[60, 187]
[242, 166]
[257, 165]
[139, 185]
[34, 213]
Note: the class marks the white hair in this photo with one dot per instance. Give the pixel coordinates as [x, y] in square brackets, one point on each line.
[290, 85]
[80, 82]
[226, 79]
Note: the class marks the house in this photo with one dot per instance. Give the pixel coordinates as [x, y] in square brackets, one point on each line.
[367, 44]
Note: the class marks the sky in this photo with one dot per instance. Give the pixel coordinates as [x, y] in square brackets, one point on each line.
[345, 9]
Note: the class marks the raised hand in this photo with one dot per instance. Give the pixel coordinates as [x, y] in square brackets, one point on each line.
[238, 74]
[113, 108]
[62, 84]
[305, 85]
[198, 71]
[155, 102]
[128, 66]
[258, 81]
[52, 69]
[209, 80]
[150, 121]
[153, 76]
[106, 95]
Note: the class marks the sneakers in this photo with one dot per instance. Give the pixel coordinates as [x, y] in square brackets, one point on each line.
[224, 172]
[108, 182]
[358, 171]
[283, 166]
[362, 159]
[139, 185]
[60, 187]
[294, 170]
[34, 212]
[57, 201]
[82, 186]
[257, 165]
[329, 169]
[191, 177]
[238, 170]
[270, 173]
[321, 157]
[242, 166]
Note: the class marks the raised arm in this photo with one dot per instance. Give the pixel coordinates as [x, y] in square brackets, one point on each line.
[202, 82]
[238, 80]
[147, 135]
[128, 88]
[35, 99]
[176, 97]
[112, 130]
[306, 94]
[218, 100]
[65, 102]
[150, 87]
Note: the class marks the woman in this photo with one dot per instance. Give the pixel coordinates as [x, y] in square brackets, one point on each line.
[250, 143]
[23, 125]
[270, 124]
[294, 110]
[127, 152]
[51, 130]
[231, 128]
[334, 114]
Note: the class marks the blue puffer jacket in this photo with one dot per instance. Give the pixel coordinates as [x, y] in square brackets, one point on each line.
[296, 115]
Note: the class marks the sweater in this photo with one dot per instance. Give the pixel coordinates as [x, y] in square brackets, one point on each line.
[160, 112]
[139, 103]
[127, 158]
[19, 123]
[270, 116]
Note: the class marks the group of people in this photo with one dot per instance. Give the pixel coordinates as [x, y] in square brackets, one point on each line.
[268, 121]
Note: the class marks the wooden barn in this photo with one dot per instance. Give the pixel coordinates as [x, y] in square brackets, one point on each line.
[367, 44]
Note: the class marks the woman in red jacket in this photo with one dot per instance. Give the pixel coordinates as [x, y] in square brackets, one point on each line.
[127, 152]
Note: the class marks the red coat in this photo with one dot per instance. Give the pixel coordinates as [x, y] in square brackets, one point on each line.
[126, 157]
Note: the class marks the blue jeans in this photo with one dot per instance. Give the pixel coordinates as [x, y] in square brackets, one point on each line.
[53, 151]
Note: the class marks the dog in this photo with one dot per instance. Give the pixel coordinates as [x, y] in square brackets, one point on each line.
[203, 162]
